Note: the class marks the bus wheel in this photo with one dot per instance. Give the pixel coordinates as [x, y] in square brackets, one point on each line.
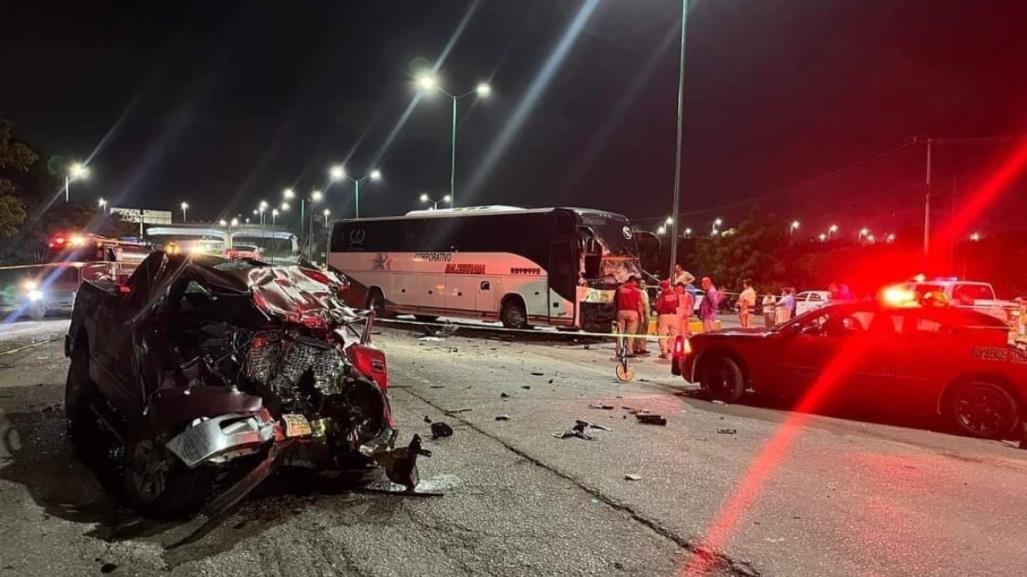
[513, 314]
[376, 302]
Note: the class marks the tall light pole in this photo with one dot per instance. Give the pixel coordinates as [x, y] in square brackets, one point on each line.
[428, 82]
[77, 171]
[435, 203]
[716, 223]
[102, 203]
[831, 230]
[314, 198]
[339, 173]
[677, 145]
[794, 227]
[184, 206]
[863, 233]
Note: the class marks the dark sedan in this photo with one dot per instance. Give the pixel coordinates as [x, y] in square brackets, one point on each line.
[951, 362]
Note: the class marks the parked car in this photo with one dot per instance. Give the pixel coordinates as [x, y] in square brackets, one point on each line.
[197, 370]
[941, 361]
[809, 300]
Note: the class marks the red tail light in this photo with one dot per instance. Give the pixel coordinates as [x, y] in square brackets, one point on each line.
[371, 363]
[681, 347]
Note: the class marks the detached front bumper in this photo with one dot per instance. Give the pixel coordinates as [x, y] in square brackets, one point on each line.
[223, 436]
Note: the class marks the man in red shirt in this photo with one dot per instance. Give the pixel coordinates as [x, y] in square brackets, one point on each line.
[628, 301]
[668, 321]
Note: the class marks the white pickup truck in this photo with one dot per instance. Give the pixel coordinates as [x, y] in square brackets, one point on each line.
[977, 295]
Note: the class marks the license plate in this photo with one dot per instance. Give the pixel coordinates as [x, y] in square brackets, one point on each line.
[296, 426]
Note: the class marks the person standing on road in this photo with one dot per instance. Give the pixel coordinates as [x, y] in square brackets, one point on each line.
[785, 305]
[685, 307]
[628, 302]
[681, 276]
[709, 305]
[668, 320]
[746, 303]
[641, 343]
[769, 316]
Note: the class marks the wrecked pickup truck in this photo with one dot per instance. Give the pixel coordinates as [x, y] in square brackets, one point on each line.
[199, 373]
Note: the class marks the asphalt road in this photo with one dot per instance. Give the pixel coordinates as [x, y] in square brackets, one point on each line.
[843, 498]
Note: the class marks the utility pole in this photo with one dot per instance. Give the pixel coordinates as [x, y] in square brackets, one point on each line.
[927, 203]
[677, 149]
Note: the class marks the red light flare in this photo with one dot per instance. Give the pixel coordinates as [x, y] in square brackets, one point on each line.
[723, 526]
[984, 196]
[897, 266]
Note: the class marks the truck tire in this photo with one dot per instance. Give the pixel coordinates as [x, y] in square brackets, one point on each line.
[157, 484]
[982, 409]
[722, 379]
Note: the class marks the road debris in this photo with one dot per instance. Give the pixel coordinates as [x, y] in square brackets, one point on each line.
[526, 387]
[718, 402]
[537, 374]
[456, 411]
[727, 431]
[503, 395]
[602, 406]
[430, 339]
[581, 430]
[632, 477]
[441, 429]
[427, 419]
[436, 386]
[107, 568]
[651, 419]
[502, 417]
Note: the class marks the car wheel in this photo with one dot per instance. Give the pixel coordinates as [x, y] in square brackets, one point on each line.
[513, 315]
[722, 379]
[982, 409]
[158, 484]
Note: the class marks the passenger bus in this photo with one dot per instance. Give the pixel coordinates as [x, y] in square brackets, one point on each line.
[544, 266]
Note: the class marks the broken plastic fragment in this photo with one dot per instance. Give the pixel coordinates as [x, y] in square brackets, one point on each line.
[632, 477]
[648, 419]
[441, 429]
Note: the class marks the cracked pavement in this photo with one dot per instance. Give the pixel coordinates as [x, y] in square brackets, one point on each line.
[850, 498]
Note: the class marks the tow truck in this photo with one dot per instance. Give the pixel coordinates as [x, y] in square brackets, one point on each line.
[911, 354]
[50, 287]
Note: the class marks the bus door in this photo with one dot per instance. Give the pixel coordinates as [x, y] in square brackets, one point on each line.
[562, 278]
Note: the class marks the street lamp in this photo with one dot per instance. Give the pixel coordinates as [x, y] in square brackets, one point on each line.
[863, 232]
[428, 82]
[669, 221]
[77, 171]
[315, 197]
[890, 238]
[716, 223]
[662, 230]
[288, 194]
[435, 203]
[822, 237]
[688, 232]
[103, 204]
[338, 172]
[794, 227]
[831, 230]
[274, 215]
[975, 237]
[184, 206]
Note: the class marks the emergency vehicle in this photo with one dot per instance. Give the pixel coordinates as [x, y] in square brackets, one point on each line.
[70, 258]
[909, 356]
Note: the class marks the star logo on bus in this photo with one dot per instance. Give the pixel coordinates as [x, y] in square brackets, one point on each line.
[382, 262]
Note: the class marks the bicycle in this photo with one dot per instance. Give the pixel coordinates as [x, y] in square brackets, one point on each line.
[624, 371]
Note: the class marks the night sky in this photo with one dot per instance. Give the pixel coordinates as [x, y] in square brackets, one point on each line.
[223, 104]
